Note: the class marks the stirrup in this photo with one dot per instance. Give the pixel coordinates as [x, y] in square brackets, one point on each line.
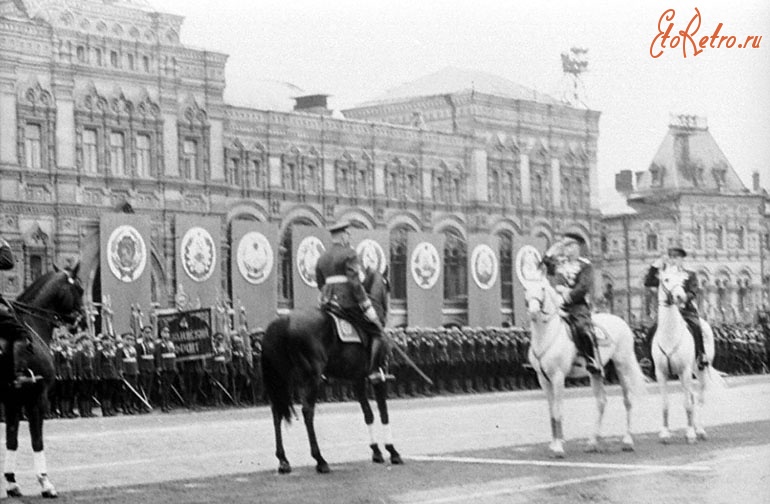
[380, 376]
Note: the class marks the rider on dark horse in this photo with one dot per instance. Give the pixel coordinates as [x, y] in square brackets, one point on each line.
[689, 311]
[342, 293]
[10, 327]
[574, 280]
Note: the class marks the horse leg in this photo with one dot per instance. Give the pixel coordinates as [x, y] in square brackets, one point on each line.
[624, 375]
[308, 413]
[12, 417]
[689, 403]
[700, 432]
[549, 387]
[35, 419]
[359, 389]
[381, 396]
[283, 463]
[661, 375]
[600, 394]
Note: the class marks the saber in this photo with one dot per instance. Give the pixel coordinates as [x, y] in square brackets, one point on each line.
[411, 363]
[223, 389]
[137, 394]
[179, 396]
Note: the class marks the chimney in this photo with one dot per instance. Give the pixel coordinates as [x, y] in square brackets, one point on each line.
[755, 182]
[624, 182]
[314, 104]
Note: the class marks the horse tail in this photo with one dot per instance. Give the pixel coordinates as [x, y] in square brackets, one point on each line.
[277, 368]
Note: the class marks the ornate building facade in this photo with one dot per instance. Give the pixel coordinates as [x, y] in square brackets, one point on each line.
[689, 196]
[103, 109]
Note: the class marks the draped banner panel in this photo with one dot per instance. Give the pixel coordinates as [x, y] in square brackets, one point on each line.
[253, 267]
[425, 279]
[373, 247]
[307, 243]
[198, 258]
[520, 317]
[484, 295]
[124, 265]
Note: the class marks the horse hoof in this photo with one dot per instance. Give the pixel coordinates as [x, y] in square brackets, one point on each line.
[592, 448]
[322, 468]
[396, 459]
[14, 491]
[700, 434]
[691, 440]
[284, 468]
[664, 437]
[50, 494]
[377, 457]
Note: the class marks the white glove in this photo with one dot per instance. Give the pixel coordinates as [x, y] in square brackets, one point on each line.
[372, 315]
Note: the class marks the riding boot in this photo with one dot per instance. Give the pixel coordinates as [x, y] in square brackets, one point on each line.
[593, 365]
[697, 334]
[376, 372]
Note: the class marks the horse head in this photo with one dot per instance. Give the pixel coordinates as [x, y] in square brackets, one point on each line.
[541, 300]
[671, 290]
[56, 297]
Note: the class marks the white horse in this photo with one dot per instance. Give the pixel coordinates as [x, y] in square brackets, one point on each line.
[673, 352]
[553, 355]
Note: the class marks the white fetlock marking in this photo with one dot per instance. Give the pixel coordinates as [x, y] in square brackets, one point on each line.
[10, 462]
[39, 462]
[372, 439]
[388, 434]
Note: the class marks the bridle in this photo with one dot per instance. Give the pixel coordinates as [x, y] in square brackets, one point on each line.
[72, 318]
[541, 301]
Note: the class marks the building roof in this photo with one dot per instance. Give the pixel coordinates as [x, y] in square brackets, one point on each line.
[689, 159]
[264, 94]
[452, 80]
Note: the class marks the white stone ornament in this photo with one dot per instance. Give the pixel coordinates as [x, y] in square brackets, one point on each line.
[254, 257]
[484, 266]
[126, 253]
[372, 255]
[198, 254]
[425, 265]
[308, 253]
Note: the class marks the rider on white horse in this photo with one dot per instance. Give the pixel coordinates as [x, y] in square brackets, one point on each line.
[689, 310]
[574, 280]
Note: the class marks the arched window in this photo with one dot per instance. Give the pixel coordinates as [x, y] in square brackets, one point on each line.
[494, 186]
[741, 238]
[398, 262]
[506, 269]
[698, 236]
[455, 266]
[720, 237]
[652, 242]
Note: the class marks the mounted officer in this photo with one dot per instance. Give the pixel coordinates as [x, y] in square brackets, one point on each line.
[10, 327]
[689, 310]
[338, 274]
[574, 279]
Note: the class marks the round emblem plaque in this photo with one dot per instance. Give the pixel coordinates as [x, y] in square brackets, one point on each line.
[371, 254]
[527, 266]
[484, 266]
[425, 265]
[254, 257]
[126, 253]
[198, 254]
[308, 253]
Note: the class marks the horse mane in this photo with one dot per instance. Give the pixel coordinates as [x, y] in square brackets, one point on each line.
[29, 293]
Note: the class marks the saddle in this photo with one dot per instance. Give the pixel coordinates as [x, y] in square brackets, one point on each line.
[347, 332]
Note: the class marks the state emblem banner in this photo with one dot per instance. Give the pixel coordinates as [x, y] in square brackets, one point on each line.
[198, 267]
[253, 263]
[484, 292]
[308, 243]
[124, 264]
[526, 253]
[424, 284]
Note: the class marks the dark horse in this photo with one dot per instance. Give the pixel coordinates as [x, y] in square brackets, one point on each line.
[53, 299]
[302, 348]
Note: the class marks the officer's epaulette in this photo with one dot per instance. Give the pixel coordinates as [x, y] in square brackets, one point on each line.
[584, 260]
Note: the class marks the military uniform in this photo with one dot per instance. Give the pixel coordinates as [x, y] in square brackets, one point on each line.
[10, 328]
[129, 369]
[219, 368]
[165, 363]
[578, 278]
[66, 377]
[145, 356]
[108, 374]
[237, 369]
[338, 277]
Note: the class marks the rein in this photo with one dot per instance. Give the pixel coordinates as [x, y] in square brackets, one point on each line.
[39, 313]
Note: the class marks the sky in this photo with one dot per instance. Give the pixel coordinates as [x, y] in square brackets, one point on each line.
[357, 50]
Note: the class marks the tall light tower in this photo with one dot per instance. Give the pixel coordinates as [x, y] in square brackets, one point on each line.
[574, 63]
